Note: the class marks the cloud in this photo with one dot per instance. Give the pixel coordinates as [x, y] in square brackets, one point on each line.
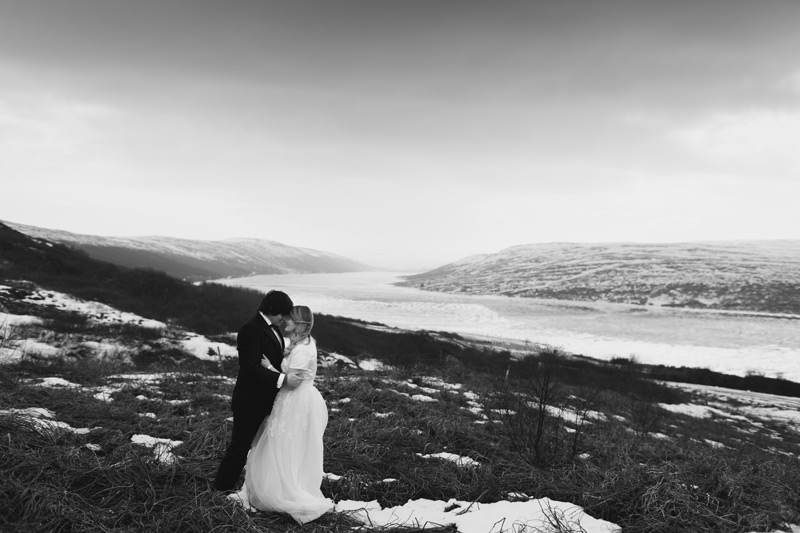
[763, 140]
[394, 129]
[791, 83]
[40, 124]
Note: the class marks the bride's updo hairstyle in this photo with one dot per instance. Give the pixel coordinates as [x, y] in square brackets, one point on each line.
[303, 319]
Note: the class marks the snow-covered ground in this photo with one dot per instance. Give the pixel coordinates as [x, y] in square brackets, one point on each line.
[519, 513]
[23, 335]
[743, 404]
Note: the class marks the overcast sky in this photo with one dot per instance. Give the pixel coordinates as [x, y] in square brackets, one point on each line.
[406, 133]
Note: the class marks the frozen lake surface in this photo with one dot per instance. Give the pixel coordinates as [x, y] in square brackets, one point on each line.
[734, 343]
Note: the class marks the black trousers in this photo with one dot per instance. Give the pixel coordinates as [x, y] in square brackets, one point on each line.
[245, 427]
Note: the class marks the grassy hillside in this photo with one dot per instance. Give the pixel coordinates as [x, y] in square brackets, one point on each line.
[602, 436]
[615, 451]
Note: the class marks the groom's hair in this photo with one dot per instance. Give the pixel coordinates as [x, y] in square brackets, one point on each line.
[276, 303]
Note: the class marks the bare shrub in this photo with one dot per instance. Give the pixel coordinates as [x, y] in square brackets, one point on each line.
[646, 417]
[529, 410]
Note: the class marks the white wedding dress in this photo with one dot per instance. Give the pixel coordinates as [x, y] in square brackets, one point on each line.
[284, 467]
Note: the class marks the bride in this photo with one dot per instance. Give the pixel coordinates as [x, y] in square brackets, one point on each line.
[284, 467]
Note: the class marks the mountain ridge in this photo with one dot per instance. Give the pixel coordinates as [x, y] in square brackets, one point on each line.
[747, 275]
[199, 260]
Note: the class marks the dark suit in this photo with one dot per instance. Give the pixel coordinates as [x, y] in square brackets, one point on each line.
[253, 395]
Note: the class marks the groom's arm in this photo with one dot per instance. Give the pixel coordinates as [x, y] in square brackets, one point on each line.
[248, 344]
[291, 382]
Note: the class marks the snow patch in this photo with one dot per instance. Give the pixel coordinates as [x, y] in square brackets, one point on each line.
[457, 459]
[43, 420]
[162, 448]
[472, 517]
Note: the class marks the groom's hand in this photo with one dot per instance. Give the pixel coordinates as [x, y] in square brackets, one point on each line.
[293, 379]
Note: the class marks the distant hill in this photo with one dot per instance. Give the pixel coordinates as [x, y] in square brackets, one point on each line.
[195, 260]
[758, 276]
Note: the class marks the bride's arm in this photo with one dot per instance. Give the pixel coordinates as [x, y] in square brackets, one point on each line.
[304, 358]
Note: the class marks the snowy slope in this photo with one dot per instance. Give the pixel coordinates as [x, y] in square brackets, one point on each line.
[759, 276]
[199, 260]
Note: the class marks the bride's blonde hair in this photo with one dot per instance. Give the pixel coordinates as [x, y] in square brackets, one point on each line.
[303, 320]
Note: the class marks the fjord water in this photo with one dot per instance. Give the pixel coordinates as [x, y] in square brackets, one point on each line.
[733, 343]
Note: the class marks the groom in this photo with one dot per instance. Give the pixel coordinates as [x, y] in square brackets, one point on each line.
[256, 387]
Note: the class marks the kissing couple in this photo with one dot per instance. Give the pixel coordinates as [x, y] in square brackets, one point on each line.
[279, 417]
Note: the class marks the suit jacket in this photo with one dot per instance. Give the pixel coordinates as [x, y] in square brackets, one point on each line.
[256, 387]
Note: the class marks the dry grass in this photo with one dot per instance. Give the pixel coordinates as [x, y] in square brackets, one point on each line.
[53, 480]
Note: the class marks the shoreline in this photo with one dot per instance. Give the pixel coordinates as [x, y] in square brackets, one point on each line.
[519, 347]
[728, 341]
[576, 303]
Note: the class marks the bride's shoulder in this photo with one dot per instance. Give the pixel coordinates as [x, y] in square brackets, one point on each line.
[307, 345]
